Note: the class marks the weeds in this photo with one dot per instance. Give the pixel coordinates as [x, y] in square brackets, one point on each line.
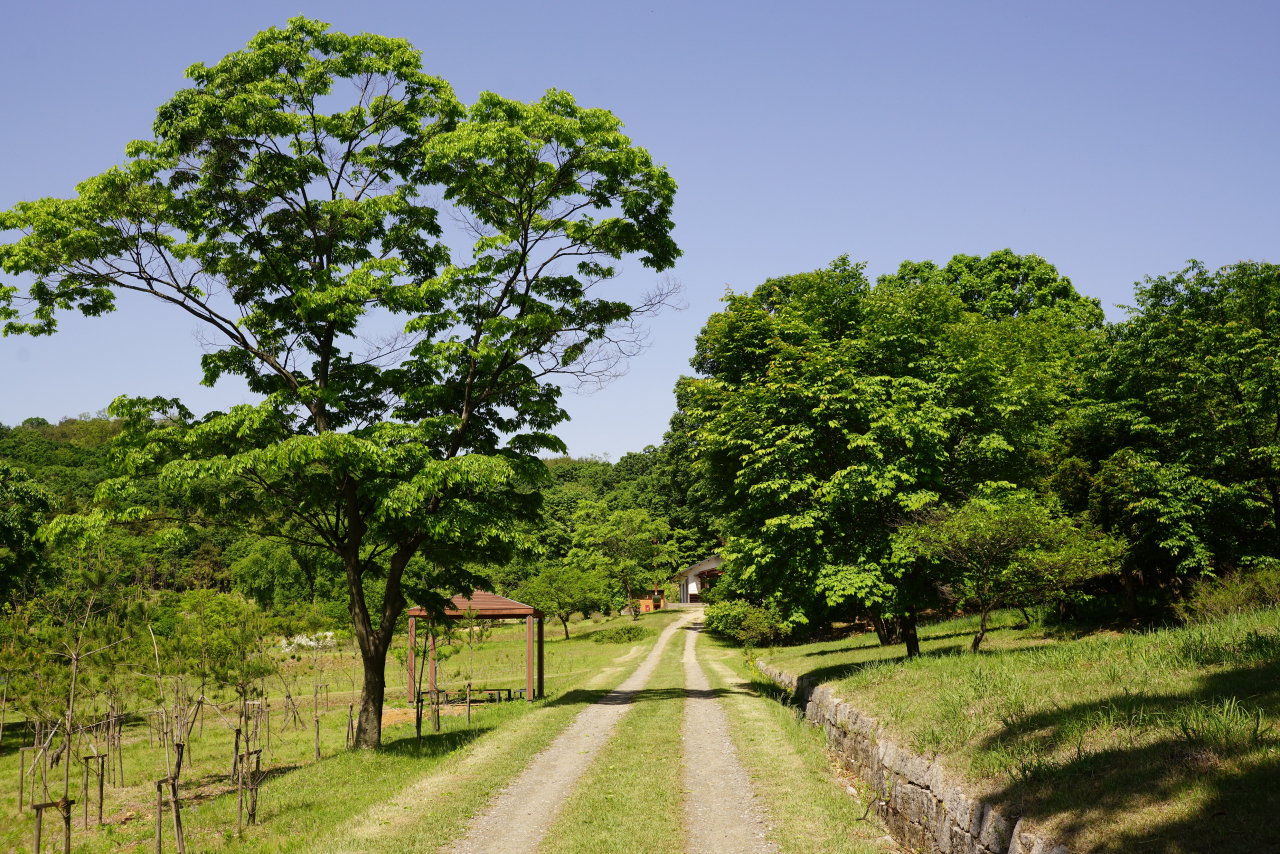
[1225, 726]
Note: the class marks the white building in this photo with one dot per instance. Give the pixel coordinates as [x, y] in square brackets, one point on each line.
[698, 577]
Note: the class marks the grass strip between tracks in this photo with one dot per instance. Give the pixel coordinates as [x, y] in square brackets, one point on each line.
[629, 801]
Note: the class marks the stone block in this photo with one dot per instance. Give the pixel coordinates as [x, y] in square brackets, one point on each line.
[942, 832]
[961, 841]
[977, 817]
[995, 832]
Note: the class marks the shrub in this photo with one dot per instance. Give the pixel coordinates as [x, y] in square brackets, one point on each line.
[748, 624]
[1247, 590]
[725, 618]
[621, 634]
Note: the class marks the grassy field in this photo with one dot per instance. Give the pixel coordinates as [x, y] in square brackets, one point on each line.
[1154, 741]
[303, 801]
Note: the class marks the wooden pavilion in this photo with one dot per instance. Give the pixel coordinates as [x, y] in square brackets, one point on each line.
[484, 606]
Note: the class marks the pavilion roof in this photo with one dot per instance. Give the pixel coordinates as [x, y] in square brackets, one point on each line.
[485, 606]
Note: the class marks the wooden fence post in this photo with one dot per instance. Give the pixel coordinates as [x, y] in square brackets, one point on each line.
[84, 791]
[177, 815]
[39, 821]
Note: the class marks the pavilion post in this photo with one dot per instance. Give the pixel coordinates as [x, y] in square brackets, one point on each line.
[413, 640]
[540, 622]
[528, 659]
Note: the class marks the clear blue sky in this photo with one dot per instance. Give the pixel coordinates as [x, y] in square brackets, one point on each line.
[1115, 139]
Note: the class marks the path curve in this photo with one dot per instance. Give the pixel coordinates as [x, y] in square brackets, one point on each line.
[522, 812]
[720, 810]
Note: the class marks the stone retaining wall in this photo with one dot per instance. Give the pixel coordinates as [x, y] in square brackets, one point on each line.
[923, 810]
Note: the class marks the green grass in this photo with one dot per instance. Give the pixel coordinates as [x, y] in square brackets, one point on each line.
[1165, 739]
[629, 800]
[806, 799]
[303, 802]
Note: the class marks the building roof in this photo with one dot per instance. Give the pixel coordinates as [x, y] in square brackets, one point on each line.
[484, 605]
[700, 567]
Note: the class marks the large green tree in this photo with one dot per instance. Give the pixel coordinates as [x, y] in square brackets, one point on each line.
[827, 411]
[1178, 446]
[628, 549]
[406, 390]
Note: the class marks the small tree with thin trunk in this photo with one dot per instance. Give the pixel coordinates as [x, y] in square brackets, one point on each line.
[561, 590]
[1006, 551]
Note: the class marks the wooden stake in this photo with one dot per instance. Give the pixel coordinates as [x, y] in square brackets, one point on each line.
[101, 763]
[64, 807]
[22, 775]
[39, 821]
[159, 816]
[177, 812]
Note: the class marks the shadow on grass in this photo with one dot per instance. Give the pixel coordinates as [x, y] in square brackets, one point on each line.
[836, 672]
[1232, 774]
[434, 744]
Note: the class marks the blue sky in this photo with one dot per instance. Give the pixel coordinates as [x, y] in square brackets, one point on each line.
[1115, 139]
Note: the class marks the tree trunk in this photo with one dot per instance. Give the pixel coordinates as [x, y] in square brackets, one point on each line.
[565, 621]
[369, 724]
[982, 633]
[909, 634]
[1130, 592]
[631, 601]
[888, 629]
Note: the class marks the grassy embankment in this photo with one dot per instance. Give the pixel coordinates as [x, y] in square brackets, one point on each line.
[304, 804]
[1159, 741]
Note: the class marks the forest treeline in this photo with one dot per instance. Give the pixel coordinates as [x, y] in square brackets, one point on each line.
[607, 533]
[977, 435]
[950, 437]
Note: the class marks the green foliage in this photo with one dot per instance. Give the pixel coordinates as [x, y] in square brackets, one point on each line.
[23, 507]
[828, 410]
[1008, 550]
[285, 189]
[621, 634]
[562, 590]
[627, 548]
[1245, 590]
[1176, 445]
[750, 625]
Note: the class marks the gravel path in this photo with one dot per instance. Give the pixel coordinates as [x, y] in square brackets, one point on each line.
[720, 809]
[520, 815]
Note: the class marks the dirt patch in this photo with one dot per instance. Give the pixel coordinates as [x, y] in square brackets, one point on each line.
[635, 651]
